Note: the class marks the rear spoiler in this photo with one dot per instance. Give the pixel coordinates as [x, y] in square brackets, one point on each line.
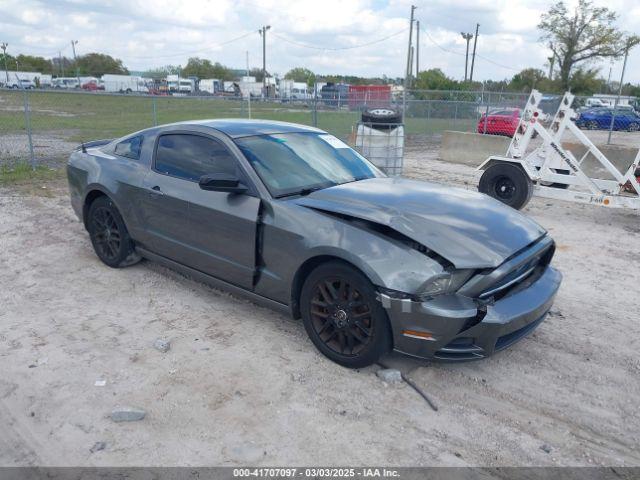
[92, 144]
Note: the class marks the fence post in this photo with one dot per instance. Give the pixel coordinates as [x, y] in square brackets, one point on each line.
[155, 111]
[27, 121]
[455, 115]
[486, 117]
[314, 112]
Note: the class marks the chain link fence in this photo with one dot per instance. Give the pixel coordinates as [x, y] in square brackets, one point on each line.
[43, 127]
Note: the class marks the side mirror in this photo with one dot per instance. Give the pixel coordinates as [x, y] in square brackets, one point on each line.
[222, 182]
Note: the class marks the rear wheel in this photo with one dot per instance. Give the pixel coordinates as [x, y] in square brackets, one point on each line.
[634, 127]
[507, 183]
[342, 316]
[109, 235]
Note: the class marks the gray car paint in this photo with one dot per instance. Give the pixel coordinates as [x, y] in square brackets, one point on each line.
[261, 244]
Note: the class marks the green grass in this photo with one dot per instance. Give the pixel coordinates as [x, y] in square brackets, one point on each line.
[78, 117]
[23, 173]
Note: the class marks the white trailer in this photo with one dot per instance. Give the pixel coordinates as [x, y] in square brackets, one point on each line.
[552, 171]
[291, 90]
[124, 84]
[210, 85]
[178, 84]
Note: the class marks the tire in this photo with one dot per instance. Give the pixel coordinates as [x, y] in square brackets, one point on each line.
[507, 183]
[343, 317]
[634, 127]
[381, 118]
[592, 125]
[109, 235]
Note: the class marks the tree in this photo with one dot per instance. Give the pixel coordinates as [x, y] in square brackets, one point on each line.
[257, 74]
[585, 81]
[203, 68]
[159, 73]
[301, 74]
[29, 63]
[97, 64]
[588, 33]
[526, 80]
[435, 79]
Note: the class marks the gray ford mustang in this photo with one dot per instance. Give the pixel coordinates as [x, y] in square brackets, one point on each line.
[295, 219]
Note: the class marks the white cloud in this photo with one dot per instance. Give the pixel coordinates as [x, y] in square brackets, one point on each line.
[148, 33]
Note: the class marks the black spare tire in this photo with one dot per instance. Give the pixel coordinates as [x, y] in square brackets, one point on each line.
[508, 183]
[382, 118]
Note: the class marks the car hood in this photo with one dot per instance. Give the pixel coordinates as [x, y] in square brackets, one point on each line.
[469, 229]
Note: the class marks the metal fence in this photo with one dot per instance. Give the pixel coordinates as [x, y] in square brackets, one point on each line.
[42, 127]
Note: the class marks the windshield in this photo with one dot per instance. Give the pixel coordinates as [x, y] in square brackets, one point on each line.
[298, 163]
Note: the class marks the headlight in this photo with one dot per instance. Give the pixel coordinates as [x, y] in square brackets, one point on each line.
[447, 282]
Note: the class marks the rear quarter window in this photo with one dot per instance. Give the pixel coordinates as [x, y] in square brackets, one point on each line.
[129, 148]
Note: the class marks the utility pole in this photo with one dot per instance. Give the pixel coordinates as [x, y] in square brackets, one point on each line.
[609, 78]
[263, 33]
[408, 69]
[473, 57]
[4, 46]
[615, 105]
[467, 37]
[60, 64]
[417, 47]
[75, 60]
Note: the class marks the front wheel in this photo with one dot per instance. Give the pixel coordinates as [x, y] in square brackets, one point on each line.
[343, 317]
[109, 235]
[508, 183]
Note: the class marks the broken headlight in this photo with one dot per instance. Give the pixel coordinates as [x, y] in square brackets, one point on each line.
[447, 282]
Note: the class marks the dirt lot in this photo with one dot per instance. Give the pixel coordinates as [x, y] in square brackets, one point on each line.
[244, 385]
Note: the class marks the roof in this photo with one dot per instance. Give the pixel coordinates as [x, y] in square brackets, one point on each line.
[237, 127]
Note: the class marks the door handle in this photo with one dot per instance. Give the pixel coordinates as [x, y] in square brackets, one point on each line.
[155, 190]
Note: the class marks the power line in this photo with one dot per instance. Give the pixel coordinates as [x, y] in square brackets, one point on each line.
[496, 63]
[314, 47]
[192, 52]
[444, 49]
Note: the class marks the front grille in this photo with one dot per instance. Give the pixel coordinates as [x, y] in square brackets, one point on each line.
[524, 274]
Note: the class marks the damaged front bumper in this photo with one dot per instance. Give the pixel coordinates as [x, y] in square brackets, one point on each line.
[454, 327]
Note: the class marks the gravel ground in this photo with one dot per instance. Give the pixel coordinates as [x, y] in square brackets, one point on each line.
[243, 385]
[49, 149]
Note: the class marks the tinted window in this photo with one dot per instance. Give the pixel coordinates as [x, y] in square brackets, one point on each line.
[192, 156]
[290, 162]
[130, 148]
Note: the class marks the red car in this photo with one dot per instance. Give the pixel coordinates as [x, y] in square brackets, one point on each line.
[92, 86]
[500, 122]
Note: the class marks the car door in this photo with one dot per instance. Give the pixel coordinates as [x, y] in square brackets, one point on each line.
[164, 208]
[213, 232]
[224, 225]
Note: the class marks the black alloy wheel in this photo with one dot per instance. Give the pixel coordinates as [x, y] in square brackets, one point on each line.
[340, 317]
[343, 317]
[109, 235]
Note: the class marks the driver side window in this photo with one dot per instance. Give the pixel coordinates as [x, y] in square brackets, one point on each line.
[191, 156]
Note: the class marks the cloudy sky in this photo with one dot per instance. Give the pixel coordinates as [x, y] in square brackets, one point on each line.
[308, 33]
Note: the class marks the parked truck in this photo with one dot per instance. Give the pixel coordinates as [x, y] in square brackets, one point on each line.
[178, 84]
[124, 84]
[210, 85]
